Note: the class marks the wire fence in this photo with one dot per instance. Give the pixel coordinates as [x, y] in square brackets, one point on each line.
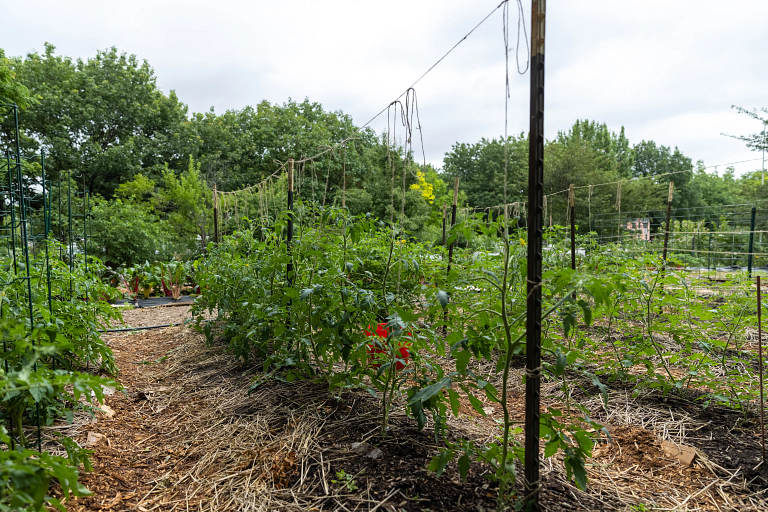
[707, 237]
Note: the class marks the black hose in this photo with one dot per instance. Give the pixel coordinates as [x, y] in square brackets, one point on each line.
[142, 328]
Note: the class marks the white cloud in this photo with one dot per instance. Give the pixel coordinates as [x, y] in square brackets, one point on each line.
[667, 71]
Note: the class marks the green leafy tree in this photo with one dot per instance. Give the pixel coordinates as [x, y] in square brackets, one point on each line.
[480, 168]
[11, 90]
[187, 202]
[755, 141]
[127, 234]
[103, 117]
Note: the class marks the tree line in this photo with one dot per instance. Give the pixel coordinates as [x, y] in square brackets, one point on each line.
[150, 164]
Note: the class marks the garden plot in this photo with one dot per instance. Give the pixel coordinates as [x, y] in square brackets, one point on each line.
[187, 434]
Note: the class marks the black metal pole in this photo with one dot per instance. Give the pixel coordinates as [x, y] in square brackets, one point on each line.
[535, 237]
[453, 222]
[760, 363]
[751, 241]
[573, 227]
[450, 249]
[289, 265]
[215, 217]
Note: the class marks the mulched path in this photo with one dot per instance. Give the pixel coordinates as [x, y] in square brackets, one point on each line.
[125, 470]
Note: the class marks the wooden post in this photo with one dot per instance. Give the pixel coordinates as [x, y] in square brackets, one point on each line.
[572, 194]
[450, 248]
[760, 360]
[215, 215]
[666, 229]
[443, 223]
[751, 241]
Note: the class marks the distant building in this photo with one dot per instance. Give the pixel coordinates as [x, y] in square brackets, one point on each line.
[641, 228]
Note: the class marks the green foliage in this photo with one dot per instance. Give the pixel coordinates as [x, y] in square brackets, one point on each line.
[351, 273]
[44, 351]
[188, 202]
[75, 118]
[11, 90]
[346, 480]
[126, 234]
[25, 476]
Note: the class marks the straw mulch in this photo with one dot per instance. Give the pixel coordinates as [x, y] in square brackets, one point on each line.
[188, 436]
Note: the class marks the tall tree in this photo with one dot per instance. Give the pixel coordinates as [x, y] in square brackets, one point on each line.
[480, 167]
[188, 202]
[103, 118]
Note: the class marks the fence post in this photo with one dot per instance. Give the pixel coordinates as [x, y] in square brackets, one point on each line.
[535, 257]
[709, 253]
[572, 194]
[666, 229]
[751, 241]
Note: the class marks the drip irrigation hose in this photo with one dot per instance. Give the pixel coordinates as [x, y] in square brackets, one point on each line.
[144, 328]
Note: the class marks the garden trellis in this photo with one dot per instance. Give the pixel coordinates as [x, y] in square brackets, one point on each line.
[47, 287]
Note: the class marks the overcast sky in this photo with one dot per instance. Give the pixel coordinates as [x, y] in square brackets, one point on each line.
[665, 70]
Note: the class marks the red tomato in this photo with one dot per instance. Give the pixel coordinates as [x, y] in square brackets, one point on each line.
[377, 347]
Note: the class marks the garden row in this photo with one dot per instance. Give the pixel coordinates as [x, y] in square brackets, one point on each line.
[52, 351]
[308, 308]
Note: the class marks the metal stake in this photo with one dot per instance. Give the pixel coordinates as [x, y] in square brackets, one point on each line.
[535, 258]
[573, 227]
[760, 363]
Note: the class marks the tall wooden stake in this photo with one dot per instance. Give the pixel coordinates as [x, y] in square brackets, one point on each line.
[450, 248]
[666, 228]
[760, 362]
[443, 224]
[572, 194]
[535, 258]
[751, 242]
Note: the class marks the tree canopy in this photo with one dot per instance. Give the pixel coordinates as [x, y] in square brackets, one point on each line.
[142, 154]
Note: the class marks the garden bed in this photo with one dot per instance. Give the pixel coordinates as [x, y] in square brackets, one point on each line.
[186, 435]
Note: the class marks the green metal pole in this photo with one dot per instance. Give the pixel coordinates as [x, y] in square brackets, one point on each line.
[61, 233]
[46, 223]
[11, 193]
[70, 252]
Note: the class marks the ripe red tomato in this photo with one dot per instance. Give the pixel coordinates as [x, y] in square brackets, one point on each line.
[377, 347]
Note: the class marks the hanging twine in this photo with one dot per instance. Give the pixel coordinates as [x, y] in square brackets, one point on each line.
[545, 207]
[589, 204]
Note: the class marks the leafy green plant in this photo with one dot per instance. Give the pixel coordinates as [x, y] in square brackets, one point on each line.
[345, 479]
